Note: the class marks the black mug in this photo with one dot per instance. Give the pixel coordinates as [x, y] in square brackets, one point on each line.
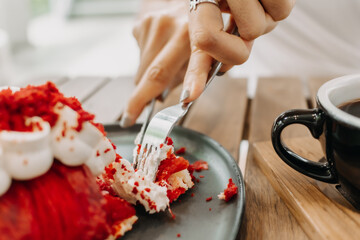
[338, 132]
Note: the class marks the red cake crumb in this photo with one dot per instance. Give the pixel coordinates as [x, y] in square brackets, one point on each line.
[230, 191]
[110, 171]
[178, 235]
[180, 151]
[138, 149]
[209, 199]
[39, 101]
[169, 166]
[197, 166]
[201, 176]
[192, 195]
[171, 213]
[209, 209]
[169, 141]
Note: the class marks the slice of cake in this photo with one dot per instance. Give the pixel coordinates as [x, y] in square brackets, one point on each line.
[172, 179]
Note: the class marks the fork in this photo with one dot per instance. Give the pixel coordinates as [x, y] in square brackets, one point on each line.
[161, 125]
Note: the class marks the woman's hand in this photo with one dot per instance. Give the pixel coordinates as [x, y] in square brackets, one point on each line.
[163, 39]
[171, 47]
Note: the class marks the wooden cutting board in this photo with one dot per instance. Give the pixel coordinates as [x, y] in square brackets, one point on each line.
[319, 208]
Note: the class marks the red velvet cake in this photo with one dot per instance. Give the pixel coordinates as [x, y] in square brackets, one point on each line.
[60, 177]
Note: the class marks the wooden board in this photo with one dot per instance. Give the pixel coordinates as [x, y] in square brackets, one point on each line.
[109, 101]
[172, 99]
[220, 112]
[274, 96]
[321, 217]
[82, 87]
[266, 215]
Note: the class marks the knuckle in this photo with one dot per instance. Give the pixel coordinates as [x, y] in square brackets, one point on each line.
[203, 40]
[252, 32]
[163, 20]
[280, 10]
[158, 75]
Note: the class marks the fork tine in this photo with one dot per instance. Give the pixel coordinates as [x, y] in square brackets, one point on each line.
[145, 168]
[140, 156]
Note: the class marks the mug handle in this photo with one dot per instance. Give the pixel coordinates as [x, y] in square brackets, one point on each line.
[314, 120]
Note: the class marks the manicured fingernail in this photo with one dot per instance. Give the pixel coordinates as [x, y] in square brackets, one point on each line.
[220, 74]
[184, 95]
[126, 120]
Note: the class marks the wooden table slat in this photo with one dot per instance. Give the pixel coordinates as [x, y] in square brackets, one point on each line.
[266, 215]
[320, 216]
[82, 87]
[220, 112]
[58, 80]
[108, 103]
[274, 96]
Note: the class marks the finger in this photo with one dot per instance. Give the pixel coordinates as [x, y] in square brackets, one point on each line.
[224, 69]
[196, 75]
[179, 78]
[251, 18]
[159, 33]
[156, 78]
[206, 34]
[278, 9]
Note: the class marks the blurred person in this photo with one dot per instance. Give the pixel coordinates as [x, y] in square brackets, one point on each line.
[179, 45]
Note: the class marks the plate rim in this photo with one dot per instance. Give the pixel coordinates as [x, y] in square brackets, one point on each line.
[111, 127]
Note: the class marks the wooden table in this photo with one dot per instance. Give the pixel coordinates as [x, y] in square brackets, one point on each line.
[225, 113]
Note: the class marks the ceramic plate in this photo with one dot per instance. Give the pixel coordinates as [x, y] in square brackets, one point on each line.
[196, 218]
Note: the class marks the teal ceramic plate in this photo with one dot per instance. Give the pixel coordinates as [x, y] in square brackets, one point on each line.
[195, 217]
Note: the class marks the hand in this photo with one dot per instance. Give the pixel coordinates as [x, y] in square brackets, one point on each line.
[209, 41]
[167, 42]
[163, 39]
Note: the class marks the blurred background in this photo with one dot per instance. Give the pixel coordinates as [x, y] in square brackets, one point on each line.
[51, 38]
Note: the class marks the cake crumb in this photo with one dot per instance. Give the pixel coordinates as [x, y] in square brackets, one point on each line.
[209, 199]
[229, 192]
[178, 235]
[180, 151]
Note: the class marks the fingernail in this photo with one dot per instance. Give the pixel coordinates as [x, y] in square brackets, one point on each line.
[220, 74]
[184, 95]
[126, 120]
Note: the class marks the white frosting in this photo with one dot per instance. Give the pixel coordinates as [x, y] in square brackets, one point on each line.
[123, 227]
[151, 162]
[26, 155]
[181, 179]
[221, 196]
[126, 180]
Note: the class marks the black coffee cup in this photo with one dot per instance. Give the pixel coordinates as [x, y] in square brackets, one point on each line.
[338, 132]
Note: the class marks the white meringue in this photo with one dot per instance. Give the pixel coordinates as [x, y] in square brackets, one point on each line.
[27, 155]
